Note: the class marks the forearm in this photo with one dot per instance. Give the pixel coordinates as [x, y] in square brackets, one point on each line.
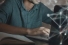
[13, 30]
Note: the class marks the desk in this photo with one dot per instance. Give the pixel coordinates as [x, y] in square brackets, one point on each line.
[18, 42]
[11, 42]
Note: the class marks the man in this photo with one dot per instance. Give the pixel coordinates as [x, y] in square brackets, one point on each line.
[23, 17]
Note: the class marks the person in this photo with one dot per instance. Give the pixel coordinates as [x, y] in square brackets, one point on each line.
[23, 17]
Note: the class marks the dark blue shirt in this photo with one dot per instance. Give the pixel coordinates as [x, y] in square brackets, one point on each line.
[13, 12]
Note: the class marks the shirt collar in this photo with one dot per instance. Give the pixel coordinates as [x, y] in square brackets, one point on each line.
[34, 7]
[21, 5]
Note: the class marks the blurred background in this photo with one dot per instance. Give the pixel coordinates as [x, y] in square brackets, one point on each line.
[50, 3]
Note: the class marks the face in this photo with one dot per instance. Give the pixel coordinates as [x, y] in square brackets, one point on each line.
[35, 1]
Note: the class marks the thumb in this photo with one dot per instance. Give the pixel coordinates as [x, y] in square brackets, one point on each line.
[41, 28]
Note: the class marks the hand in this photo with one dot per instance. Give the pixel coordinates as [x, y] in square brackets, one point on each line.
[38, 31]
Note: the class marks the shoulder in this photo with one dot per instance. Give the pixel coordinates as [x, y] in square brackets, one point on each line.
[42, 5]
[7, 2]
[10, 1]
[44, 9]
[7, 5]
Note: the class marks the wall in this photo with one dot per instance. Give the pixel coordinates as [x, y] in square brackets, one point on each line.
[52, 3]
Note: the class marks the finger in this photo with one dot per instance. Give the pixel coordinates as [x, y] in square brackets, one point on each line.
[42, 28]
[45, 33]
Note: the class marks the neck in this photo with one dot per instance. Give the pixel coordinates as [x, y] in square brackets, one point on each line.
[28, 5]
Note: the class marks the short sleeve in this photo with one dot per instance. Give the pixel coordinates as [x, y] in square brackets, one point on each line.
[5, 11]
[45, 11]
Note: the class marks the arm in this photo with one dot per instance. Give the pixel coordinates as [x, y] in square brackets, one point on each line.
[13, 30]
[22, 31]
[45, 11]
[5, 12]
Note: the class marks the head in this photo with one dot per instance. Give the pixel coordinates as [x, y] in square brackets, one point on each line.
[34, 1]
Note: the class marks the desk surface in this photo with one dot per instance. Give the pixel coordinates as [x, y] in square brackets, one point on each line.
[9, 41]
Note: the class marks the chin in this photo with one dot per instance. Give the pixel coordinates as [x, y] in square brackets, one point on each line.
[35, 1]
